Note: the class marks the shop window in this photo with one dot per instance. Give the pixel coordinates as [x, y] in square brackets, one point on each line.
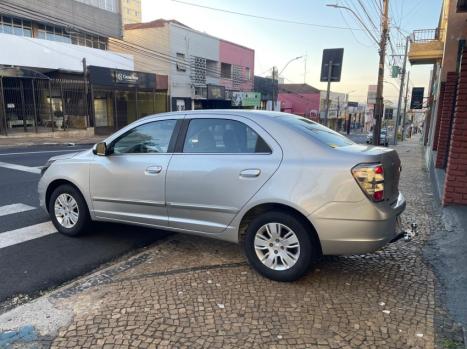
[226, 71]
[181, 65]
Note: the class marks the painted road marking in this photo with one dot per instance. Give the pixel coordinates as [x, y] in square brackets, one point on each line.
[46, 151]
[29, 169]
[17, 236]
[15, 208]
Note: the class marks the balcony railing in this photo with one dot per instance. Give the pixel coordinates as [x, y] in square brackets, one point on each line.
[426, 35]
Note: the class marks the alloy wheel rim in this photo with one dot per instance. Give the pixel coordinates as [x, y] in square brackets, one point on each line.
[277, 246]
[66, 210]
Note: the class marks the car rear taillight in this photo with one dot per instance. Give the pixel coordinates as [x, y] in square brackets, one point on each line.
[370, 178]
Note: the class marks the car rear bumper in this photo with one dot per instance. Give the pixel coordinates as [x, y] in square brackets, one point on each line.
[358, 235]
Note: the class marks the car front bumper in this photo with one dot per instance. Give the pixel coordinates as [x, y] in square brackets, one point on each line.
[359, 234]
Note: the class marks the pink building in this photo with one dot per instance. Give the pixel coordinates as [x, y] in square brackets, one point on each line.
[300, 99]
[236, 65]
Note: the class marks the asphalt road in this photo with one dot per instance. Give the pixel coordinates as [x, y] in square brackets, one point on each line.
[42, 263]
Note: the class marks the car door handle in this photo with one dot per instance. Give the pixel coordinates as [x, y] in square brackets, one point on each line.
[250, 173]
[152, 170]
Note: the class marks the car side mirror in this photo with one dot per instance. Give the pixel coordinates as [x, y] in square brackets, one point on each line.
[100, 149]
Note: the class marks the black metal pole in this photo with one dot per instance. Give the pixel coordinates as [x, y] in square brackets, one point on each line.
[23, 109]
[136, 102]
[85, 79]
[64, 124]
[50, 107]
[34, 105]
[3, 108]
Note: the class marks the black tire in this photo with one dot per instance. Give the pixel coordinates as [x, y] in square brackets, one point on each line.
[84, 219]
[308, 249]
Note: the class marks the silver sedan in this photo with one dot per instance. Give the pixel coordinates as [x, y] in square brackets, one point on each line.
[288, 188]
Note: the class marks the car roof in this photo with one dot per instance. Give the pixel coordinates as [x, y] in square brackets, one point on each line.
[249, 113]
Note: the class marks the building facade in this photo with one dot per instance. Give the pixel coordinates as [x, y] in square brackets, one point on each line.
[267, 87]
[299, 99]
[47, 74]
[445, 126]
[337, 109]
[131, 11]
[204, 71]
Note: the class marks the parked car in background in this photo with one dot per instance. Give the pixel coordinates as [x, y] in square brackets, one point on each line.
[383, 138]
[290, 189]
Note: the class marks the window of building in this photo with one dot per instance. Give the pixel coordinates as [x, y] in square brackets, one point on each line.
[15, 26]
[181, 64]
[248, 73]
[226, 70]
[222, 136]
[54, 33]
[108, 5]
[212, 68]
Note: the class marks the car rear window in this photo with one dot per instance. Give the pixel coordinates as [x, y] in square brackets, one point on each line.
[323, 134]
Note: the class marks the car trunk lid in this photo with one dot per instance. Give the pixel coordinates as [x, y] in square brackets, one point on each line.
[385, 156]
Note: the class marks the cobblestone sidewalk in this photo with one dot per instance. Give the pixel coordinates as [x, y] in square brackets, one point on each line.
[191, 292]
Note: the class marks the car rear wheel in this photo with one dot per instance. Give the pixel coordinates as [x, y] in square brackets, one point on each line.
[279, 247]
[68, 210]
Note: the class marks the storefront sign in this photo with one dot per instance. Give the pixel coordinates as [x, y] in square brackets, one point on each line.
[216, 92]
[126, 77]
[246, 99]
[108, 77]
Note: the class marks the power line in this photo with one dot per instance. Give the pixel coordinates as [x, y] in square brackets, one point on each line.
[275, 19]
[367, 15]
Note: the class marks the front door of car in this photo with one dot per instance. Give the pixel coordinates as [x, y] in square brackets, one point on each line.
[129, 184]
[220, 164]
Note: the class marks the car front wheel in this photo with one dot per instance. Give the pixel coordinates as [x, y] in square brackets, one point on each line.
[279, 247]
[68, 210]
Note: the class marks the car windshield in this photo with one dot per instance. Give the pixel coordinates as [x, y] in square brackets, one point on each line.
[323, 134]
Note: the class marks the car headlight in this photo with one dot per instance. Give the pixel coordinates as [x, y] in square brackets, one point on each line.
[46, 166]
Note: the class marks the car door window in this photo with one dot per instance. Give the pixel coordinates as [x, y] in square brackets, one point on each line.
[153, 137]
[222, 136]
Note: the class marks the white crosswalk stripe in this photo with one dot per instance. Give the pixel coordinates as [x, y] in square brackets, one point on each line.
[13, 237]
[29, 169]
[15, 208]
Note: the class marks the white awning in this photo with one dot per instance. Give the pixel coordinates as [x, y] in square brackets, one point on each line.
[44, 54]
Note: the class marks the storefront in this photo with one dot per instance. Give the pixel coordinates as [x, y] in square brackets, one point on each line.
[120, 97]
[215, 99]
[31, 101]
[246, 100]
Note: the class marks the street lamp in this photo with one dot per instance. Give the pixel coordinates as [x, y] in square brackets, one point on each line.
[293, 59]
[357, 17]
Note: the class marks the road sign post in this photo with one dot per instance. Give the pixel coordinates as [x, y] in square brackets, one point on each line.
[331, 69]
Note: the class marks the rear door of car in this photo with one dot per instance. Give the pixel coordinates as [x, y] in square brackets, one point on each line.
[219, 163]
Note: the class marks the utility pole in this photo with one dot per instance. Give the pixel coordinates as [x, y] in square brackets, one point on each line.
[405, 106]
[379, 89]
[328, 90]
[401, 90]
[338, 111]
[274, 96]
[85, 80]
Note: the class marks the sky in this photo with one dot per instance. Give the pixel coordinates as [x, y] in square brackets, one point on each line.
[275, 43]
